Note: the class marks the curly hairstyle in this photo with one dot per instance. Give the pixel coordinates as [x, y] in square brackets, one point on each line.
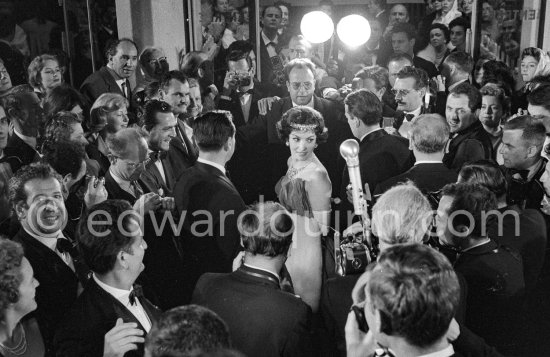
[36, 66]
[27, 173]
[11, 256]
[485, 173]
[103, 105]
[65, 157]
[59, 127]
[530, 51]
[63, 97]
[303, 116]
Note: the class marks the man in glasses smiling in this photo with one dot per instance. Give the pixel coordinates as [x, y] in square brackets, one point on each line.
[409, 89]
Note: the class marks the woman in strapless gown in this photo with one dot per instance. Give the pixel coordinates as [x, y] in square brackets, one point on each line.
[305, 191]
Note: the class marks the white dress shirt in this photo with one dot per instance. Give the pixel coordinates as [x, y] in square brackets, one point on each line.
[447, 352]
[211, 163]
[271, 50]
[124, 297]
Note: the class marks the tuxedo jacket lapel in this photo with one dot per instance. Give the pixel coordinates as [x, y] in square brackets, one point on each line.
[168, 173]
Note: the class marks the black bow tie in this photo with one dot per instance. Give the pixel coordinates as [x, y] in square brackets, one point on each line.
[136, 293]
[250, 91]
[409, 117]
[158, 155]
[524, 174]
[64, 245]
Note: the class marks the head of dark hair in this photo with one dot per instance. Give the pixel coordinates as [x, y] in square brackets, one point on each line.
[493, 90]
[420, 76]
[28, 173]
[540, 96]
[475, 201]
[365, 106]
[65, 157]
[212, 130]
[111, 48]
[379, 75]
[474, 98]
[302, 115]
[240, 45]
[534, 131]
[62, 97]
[271, 7]
[398, 57]
[443, 28]
[172, 75]
[463, 61]
[12, 101]
[236, 56]
[103, 233]
[460, 21]
[485, 173]
[406, 28]
[59, 126]
[266, 229]
[152, 108]
[498, 72]
[186, 331]
[192, 62]
[531, 51]
[11, 257]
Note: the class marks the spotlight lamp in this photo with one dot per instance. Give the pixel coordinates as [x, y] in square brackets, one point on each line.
[317, 27]
[353, 30]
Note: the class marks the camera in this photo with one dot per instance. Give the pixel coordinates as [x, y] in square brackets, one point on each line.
[241, 79]
[353, 254]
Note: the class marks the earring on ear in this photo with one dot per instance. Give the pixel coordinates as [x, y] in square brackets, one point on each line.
[316, 145]
[287, 144]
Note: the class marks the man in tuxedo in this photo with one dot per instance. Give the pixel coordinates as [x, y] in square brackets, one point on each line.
[240, 97]
[376, 80]
[22, 108]
[263, 320]
[160, 123]
[402, 39]
[396, 63]
[410, 280]
[469, 142]
[112, 244]
[204, 193]
[522, 143]
[494, 273]
[381, 155]
[37, 200]
[131, 178]
[271, 70]
[301, 86]
[409, 90]
[174, 90]
[429, 136]
[122, 56]
[185, 330]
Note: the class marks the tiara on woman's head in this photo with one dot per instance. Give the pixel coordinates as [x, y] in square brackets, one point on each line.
[304, 127]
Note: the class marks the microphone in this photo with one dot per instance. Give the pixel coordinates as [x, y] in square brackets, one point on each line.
[349, 150]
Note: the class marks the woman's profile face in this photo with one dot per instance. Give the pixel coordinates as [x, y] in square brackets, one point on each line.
[302, 144]
[51, 74]
[27, 289]
[117, 120]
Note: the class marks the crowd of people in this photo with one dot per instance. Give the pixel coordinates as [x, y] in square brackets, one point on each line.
[198, 211]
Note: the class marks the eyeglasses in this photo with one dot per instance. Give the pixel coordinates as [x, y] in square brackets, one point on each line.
[157, 60]
[50, 72]
[298, 85]
[134, 165]
[401, 92]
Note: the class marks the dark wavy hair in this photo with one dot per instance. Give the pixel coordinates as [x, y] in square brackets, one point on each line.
[485, 173]
[303, 116]
[11, 256]
[62, 98]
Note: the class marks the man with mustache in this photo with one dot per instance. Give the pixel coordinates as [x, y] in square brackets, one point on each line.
[469, 142]
[409, 90]
[36, 198]
[122, 56]
[152, 65]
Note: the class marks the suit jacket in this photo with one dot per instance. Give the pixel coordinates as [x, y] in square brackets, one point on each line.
[94, 153]
[268, 73]
[17, 148]
[182, 154]
[381, 156]
[102, 81]
[162, 279]
[525, 194]
[469, 145]
[328, 152]
[152, 177]
[428, 177]
[530, 240]
[58, 285]
[496, 291]
[248, 165]
[263, 320]
[93, 314]
[426, 65]
[204, 188]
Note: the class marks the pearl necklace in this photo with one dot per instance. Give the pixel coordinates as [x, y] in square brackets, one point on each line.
[21, 346]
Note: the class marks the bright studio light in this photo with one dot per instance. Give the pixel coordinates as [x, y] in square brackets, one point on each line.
[353, 30]
[317, 27]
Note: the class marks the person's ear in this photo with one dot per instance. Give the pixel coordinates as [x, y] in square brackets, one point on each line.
[477, 111]
[200, 72]
[288, 86]
[122, 260]
[21, 209]
[413, 41]
[112, 159]
[532, 151]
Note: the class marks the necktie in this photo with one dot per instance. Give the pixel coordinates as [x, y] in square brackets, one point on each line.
[135, 294]
[123, 87]
[63, 245]
[158, 155]
[138, 191]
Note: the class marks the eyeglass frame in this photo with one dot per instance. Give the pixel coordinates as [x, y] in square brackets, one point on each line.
[298, 85]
